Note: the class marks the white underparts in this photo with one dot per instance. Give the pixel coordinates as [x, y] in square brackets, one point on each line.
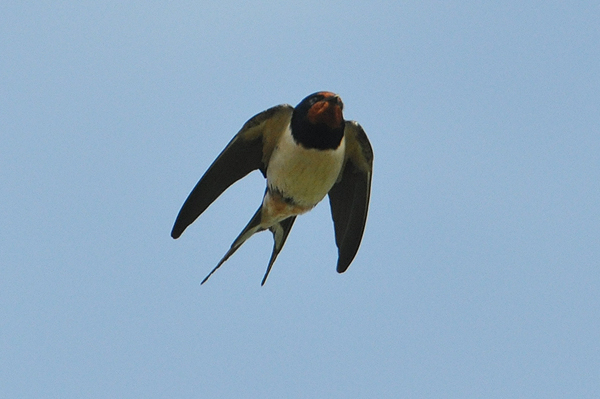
[299, 178]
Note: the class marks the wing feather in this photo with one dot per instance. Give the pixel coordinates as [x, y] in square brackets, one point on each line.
[250, 149]
[349, 197]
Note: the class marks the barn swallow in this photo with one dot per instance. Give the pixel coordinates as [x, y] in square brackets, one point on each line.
[304, 152]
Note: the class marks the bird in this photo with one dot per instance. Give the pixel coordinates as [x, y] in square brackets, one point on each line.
[305, 153]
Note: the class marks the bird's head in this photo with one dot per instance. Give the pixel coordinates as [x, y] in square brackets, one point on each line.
[318, 122]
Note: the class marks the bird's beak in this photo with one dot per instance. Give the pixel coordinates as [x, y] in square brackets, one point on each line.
[335, 100]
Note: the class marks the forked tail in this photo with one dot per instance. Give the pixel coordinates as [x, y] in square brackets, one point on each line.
[280, 231]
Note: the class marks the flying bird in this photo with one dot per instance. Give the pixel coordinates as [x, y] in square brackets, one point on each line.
[305, 153]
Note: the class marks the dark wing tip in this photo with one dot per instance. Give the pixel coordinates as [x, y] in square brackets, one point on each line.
[344, 263]
[176, 233]
[352, 238]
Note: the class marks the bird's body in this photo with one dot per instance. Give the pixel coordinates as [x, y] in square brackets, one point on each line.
[304, 175]
[305, 153]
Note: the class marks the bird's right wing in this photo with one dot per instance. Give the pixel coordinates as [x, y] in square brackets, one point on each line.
[250, 149]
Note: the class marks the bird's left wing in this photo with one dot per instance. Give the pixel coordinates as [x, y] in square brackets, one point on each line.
[349, 197]
[250, 149]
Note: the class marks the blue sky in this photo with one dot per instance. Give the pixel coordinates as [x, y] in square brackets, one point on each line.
[478, 272]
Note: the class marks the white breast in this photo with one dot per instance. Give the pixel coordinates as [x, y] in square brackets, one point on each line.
[304, 175]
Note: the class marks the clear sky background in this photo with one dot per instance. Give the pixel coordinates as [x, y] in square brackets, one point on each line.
[478, 275]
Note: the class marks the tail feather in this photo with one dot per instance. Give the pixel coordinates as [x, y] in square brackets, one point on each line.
[280, 232]
[252, 227]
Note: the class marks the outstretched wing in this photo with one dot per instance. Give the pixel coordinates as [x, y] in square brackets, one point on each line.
[349, 197]
[249, 150]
